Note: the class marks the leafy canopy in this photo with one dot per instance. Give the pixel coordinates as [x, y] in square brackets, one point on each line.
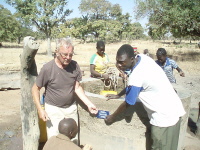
[102, 20]
[11, 28]
[45, 14]
[179, 17]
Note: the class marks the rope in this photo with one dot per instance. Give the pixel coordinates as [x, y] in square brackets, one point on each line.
[113, 78]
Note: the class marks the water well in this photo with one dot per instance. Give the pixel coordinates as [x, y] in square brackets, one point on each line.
[130, 132]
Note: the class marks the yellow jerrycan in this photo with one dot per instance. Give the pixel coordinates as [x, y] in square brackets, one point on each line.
[104, 93]
[42, 125]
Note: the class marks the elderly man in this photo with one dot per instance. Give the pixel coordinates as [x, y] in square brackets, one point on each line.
[60, 77]
[148, 82]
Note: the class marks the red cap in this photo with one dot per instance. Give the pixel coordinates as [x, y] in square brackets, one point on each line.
[135, 48]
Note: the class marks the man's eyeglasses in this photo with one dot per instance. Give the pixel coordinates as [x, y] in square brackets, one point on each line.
[64, 55]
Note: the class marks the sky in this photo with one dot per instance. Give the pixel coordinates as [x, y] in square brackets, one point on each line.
[126, 5]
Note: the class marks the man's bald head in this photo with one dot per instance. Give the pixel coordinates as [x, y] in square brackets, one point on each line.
[68, 127]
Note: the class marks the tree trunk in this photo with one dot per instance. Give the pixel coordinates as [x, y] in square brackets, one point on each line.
[18, 40]
[29, 116]
[49, 53]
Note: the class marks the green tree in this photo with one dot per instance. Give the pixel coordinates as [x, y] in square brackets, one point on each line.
[44, 14]
[95, 9]
[135, 31]
[8, 25]
[12, 27]
[115, 11]
[157, 33]
[23, 29]
[101, 20]
[125, 24]
[98, 28]
[180, 17]
[78, 28]
[104, 19]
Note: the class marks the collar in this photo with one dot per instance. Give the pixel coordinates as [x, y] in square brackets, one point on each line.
[100, 55]
[138, 61]
[63, 137]
[167, 63]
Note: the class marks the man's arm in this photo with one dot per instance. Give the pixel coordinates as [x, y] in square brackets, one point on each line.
[180, 72]
[87, 147]
[93, 72]
[81, 94]
[175, 66]
[111, 118]
[97, 74]
[113, 96]
[36, 97]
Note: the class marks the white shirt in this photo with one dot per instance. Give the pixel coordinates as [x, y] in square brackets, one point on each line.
[149, 83]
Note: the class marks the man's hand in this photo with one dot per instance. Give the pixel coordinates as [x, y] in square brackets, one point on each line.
[87, 147]
[109, 119]
[105, 76]
[92, 109]
[182, 73]
[123, 75]
[112, 96]
[43, 115]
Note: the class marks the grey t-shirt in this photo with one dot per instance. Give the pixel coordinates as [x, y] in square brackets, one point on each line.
[59, 83]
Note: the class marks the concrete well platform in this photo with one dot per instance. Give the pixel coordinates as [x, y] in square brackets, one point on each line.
[130, 132]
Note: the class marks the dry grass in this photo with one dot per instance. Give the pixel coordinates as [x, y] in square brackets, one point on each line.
[190, 67]
[10, 57]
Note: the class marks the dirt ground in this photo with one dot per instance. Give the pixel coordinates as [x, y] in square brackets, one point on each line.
[10, 122]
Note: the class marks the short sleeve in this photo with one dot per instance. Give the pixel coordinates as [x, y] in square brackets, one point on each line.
[79, 75]
[173, 64]
[92, 59]
[42, 78]
[132, 93]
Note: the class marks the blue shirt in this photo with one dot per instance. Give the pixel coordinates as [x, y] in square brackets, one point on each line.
[168, 68]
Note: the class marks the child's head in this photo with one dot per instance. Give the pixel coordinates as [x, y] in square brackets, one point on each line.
[68, 127]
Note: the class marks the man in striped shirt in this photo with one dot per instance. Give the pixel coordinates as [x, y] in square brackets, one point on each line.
[167, 65]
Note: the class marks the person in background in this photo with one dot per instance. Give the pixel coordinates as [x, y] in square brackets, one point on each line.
[67, 130]
[168, 65]
[198, 45]
[99, 62]
[61, 78]
[146, 52]
[148, 82]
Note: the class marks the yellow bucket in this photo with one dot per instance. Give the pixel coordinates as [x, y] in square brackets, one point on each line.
[104, 93]
[43, 130]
